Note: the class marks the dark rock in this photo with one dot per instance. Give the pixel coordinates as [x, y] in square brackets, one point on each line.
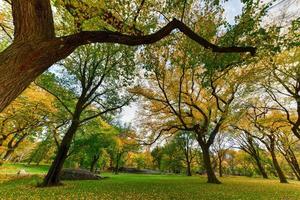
[139, 171]
[78, 174]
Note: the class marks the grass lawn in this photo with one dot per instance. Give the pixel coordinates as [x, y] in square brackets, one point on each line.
[128, 186]
[8, 168]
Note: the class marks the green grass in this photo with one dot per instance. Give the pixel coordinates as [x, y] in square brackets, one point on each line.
[8, 168]
[143, 187]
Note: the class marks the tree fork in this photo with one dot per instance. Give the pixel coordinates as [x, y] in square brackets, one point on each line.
[35, 47]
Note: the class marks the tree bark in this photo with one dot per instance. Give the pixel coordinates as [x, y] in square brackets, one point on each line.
[261, 168]
[94, 163]
[188, 169]
[292, 161]
[280, 173]
[7, 154]
[117, 163]
[52, 177]
[13, 144]
[211, 177]
[220, 167]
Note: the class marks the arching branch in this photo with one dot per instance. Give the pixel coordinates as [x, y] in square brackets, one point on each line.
[86, 37]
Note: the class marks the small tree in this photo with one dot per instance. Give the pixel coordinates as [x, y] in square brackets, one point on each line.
[90, 85]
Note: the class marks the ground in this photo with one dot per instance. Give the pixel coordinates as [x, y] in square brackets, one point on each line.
[143, 187]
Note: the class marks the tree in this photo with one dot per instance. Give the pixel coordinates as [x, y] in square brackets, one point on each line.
[265, 125]
[284, 85]
[193, 90]
[286, 143]
[90, 85]
[25, 117]
[173, 158]
[91, 143]
[44, 149]
[220, 148]
[186, 143]
[157, 154]
[35, 46]
[179, 99]
[249, 145]
[124, 143]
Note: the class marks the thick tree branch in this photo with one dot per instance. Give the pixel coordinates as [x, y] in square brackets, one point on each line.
[86, 37]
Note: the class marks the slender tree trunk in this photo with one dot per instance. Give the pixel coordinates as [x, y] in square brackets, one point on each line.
[280, 173]
[295, 171]
[13, 144]
[29, 161]
[188, 168]
[117, 163]
[220, 167]
[292, 161]
[211, 177]
[8, 154]
[94, 163]
[261, 168]
[52, 177]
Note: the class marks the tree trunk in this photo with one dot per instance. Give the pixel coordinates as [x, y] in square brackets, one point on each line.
[211, 177]
[8, 154]
[21, 62]
[295, 171]
[29, 161]
[188, 169]
[292, 161]
[220, 168]
[261, 168]
[52, 177]
[280, 173]
[94, 163]
[117, 163]
[12, 145]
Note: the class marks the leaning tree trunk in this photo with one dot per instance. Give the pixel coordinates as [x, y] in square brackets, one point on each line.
[292, 161]
[12, 147]
[211, 177]
[52, 177]
[261, 168]
[280, 173]
[8, 154]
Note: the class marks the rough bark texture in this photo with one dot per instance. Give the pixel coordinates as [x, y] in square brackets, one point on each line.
[211, 177]
[52, 177]
[35, 47]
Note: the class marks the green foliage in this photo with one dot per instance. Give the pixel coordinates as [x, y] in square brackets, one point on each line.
[94, 139]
